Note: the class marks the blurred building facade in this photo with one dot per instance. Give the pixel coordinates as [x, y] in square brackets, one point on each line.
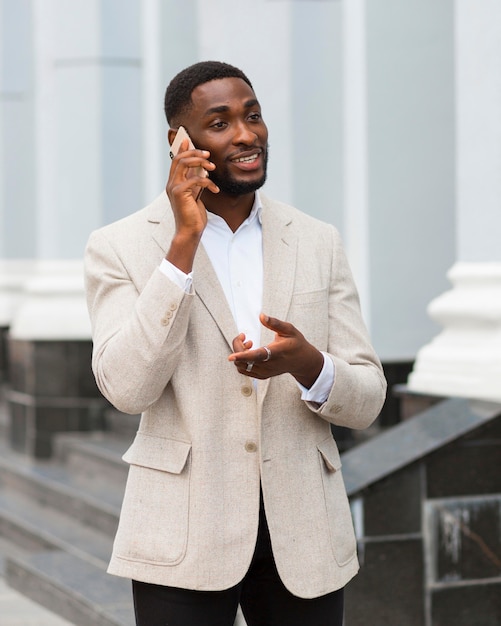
[383, 120]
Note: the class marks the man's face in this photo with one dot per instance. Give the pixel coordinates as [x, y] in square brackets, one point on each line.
[226, 120]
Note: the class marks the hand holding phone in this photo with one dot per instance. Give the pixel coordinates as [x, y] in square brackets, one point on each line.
[184, 191]
[176, 144]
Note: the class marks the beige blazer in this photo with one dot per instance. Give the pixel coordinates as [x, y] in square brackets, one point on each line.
[208, 437]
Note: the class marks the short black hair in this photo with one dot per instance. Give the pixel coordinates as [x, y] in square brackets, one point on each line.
[178, 92]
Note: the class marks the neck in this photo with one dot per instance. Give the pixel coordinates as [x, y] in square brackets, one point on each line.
[233, 209]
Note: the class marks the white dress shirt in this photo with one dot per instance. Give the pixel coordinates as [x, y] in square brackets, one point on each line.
[237, 258]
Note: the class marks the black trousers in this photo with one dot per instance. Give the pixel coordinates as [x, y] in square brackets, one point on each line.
[261, 594]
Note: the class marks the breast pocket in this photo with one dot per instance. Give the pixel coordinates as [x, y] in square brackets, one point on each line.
[309, 312]
[154, 519]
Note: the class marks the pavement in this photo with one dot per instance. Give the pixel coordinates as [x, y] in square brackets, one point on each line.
[17, 610]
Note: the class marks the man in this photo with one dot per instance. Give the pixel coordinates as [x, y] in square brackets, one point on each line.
[231, 322]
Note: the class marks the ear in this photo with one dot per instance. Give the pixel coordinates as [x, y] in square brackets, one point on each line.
[171, 134]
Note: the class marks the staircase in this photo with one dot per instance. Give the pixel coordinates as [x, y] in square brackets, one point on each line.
[57, 522]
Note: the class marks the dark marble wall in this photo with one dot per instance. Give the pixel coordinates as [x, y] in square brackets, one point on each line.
[51, 389]
[4, 368]
[429, 539]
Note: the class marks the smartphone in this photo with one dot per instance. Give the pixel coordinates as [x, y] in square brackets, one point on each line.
[174, 149]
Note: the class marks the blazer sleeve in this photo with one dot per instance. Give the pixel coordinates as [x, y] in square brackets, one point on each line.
[138, 330]
[359, 388]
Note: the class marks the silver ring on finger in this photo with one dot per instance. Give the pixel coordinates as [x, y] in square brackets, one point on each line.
[268, 354]
[249, 367]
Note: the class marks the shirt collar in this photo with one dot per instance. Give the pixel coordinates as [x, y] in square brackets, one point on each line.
[258, 206]
[256, 213]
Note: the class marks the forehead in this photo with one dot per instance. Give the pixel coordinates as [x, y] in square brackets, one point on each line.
[222, 92]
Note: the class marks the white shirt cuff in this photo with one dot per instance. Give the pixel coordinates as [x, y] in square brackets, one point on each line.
[321, 388]
[177, 276]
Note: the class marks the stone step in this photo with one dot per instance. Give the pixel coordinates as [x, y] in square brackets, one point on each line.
[35, 527]
[91, 456]
[46, 553]
[73, 588]
[59, 523]
[51, 485]
[10, 548]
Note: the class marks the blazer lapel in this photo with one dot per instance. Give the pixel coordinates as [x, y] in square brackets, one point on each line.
[160, 215]
[279, 269]
[279, 265]
[205, 282]
[209, 290]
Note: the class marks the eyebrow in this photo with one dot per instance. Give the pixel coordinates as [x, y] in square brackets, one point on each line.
[223, 108]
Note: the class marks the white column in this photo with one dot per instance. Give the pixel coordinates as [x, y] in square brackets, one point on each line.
[355, 144]
[86, 147]
[465, 358]
[17, 189]
[88, 123]
[52, 306]
[13, 276]
[316, 102]
[154, 126]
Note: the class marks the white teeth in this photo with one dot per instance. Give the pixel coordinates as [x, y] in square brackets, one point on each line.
[248, 159]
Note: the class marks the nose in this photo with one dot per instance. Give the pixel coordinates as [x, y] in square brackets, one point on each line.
[244, 134]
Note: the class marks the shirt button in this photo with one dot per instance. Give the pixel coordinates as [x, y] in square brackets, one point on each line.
[250, 446]
[246, 391]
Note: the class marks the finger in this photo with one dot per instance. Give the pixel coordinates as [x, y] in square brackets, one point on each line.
[278, 326]
[204, 182]
[243, 356]
[192, 161]
[192, 158]
[241, 345]
[191, 166]
[186, 151]
[186, 186]
[259, 355]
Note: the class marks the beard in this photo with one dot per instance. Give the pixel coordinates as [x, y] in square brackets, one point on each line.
[233, 187]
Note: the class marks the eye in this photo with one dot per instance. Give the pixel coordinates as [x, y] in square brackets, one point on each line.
[255, 117]
[218, 124]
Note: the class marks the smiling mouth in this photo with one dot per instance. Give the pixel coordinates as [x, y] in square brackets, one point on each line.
[246, 159]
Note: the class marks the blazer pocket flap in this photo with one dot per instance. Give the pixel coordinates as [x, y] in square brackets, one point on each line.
[309, 297]
[330, 454]
[166, 455]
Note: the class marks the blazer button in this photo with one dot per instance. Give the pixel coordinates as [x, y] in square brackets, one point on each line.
[173, 306]
[250, 446]
[246, 391]
[165, 321]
